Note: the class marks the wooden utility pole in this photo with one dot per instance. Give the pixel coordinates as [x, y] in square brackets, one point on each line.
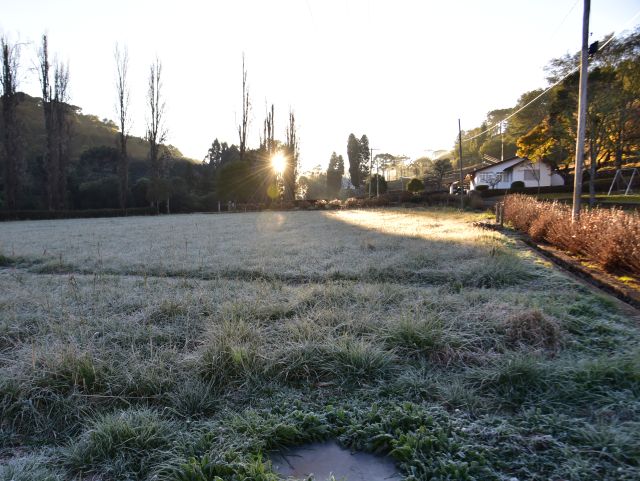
[582, 113]
[461, 176]
[371, 169]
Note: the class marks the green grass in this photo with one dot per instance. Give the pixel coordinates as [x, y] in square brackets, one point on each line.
[189, 347]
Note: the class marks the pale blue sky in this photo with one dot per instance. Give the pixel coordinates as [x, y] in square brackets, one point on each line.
[400, 71]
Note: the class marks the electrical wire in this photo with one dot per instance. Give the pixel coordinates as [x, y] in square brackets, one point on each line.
[574, 70]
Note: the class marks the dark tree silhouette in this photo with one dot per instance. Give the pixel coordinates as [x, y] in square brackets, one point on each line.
[335, 171]
[11, 153]
[122, 110]
[57, 126]
[292, 152]
[353, 153]
[246, 106]
[156, 132]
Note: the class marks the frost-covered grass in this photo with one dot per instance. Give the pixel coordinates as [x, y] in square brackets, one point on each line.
[187, 347]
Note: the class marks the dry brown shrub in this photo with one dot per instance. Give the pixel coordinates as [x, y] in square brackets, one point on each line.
[352, 202]
[532, 328]
[610, 237]
[518, 212]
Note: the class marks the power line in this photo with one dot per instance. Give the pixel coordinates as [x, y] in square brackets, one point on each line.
[555, 32]
[574, 70]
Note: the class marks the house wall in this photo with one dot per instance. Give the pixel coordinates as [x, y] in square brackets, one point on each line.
[524, 172]
[492, 170]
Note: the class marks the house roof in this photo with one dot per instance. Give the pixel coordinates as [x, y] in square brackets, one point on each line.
[498, 163]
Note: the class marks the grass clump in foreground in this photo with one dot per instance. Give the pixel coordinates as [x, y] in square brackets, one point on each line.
[403, 332]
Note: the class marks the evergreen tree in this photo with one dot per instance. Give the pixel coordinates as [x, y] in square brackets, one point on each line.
[353, 153]
[335, 171]
[365, 154]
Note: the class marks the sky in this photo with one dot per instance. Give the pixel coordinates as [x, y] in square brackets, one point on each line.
[402, 72]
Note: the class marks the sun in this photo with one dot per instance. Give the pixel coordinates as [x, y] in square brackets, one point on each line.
[278, 163]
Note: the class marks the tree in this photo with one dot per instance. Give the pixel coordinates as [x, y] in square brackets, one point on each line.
[382, 162]
[246, 106]
[62, 126]
[122, 110]
[529, 117]
[420, 165]
[378, 184]
[214, 154]
[292, 152]
[335, 171]
[439, 168]
[57, 125]
[353, 154]
[236, 182]
[365, 156]
[156, 132]
[11, 152]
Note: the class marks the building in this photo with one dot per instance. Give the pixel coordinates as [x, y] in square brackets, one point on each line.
[502, 174]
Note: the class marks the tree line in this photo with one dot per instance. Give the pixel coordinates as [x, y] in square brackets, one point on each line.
[56, 176]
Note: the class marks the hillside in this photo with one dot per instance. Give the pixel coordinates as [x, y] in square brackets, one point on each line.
[87, 131]
[91, 174]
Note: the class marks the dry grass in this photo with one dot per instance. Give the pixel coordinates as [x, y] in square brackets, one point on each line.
[610, 237]
[131, 359]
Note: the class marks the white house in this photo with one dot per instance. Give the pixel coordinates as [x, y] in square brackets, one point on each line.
[502, 174]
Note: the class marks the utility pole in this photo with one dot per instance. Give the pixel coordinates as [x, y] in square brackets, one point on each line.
[378, 178]
[501, 142]
[371, 170]
[461, 176]
[582, 113]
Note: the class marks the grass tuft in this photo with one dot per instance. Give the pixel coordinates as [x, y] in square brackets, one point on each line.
[125, 445]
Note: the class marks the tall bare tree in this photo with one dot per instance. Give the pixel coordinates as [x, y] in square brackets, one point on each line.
[246, 106]
[57, 126]
[291, 169]
[268, 142]
[10, 153]
[50, 158]
[156, 132]
[62, 129]
[122, 110]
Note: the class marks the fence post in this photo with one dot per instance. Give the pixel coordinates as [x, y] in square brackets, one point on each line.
[500, 213]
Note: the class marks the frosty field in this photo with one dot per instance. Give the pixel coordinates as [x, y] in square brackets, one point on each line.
[187, 347]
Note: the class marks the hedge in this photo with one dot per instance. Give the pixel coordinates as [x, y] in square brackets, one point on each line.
[73, 214]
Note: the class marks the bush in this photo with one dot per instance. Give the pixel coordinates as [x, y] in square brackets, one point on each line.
[607, 236]
[551, 189]
[415, 185]
[517, 185]
[73, 214]
[399, 196]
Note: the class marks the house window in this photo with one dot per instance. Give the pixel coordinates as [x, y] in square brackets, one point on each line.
[489, 177]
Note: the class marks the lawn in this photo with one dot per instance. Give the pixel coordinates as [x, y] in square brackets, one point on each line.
[188, 347]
